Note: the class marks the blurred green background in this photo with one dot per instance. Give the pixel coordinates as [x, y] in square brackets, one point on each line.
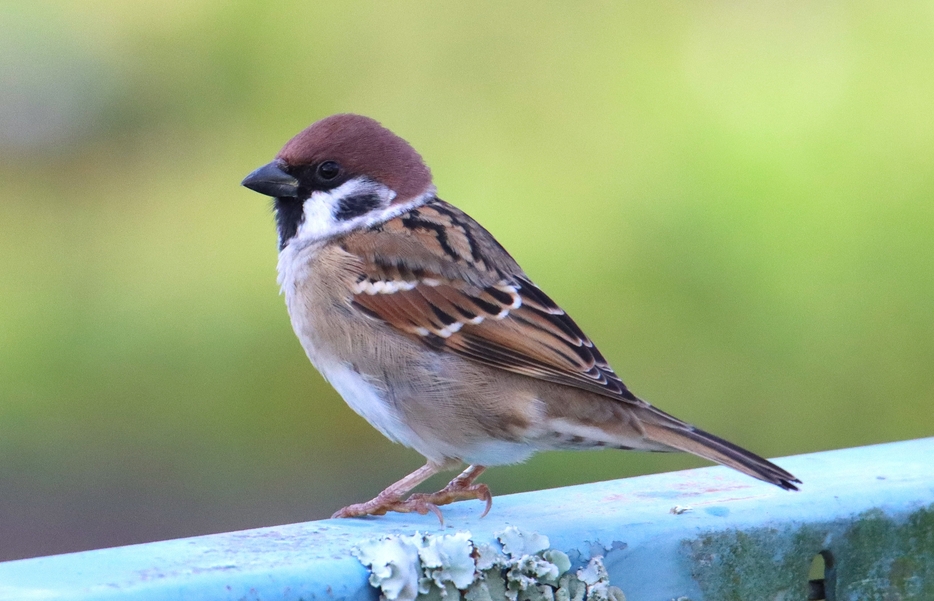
[733, 199]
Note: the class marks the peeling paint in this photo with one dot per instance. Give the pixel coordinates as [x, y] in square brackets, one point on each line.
[520, 566]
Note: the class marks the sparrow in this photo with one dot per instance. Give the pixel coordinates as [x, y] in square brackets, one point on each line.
[431, 331]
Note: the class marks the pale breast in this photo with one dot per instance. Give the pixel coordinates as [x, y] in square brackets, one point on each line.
[316, 282]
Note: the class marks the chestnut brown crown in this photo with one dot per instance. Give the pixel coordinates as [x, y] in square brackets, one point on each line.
[361, 147]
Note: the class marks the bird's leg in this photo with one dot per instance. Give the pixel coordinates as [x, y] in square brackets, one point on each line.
[460, 488]
[391, 498]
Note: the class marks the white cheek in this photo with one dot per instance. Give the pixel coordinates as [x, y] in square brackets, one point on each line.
[319, 216]
[319, 211]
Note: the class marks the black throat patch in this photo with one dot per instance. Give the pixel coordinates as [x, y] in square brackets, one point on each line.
[289, 215]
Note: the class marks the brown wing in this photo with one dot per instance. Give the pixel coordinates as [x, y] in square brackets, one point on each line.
[488, 315]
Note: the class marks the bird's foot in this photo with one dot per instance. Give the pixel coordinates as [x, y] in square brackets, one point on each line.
[420, 503]
[451, 493]
[382, 505]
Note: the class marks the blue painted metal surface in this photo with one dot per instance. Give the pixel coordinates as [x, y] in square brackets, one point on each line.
[871, 509]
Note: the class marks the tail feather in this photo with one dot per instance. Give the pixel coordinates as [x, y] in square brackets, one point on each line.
[692, 440]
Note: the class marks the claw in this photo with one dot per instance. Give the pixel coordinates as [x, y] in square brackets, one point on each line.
[436, 511]
[486, 496]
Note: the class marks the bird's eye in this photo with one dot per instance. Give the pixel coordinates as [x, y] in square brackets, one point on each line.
[328, 170]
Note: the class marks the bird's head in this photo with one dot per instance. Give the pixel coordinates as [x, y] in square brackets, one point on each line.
[342, 173]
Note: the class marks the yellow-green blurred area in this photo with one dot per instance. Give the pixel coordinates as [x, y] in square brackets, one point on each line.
[735, 200]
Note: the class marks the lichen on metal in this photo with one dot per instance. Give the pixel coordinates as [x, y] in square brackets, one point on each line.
[519, 566]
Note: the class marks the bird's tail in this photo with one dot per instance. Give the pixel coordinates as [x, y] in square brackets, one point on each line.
[684, 437]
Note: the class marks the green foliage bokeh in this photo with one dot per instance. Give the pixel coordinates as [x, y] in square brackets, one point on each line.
[733, 200]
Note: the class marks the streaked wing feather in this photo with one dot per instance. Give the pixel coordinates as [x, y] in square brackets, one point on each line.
[436, 275]
[512, 326]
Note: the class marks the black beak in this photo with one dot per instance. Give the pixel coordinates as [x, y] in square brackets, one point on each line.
[271, 180]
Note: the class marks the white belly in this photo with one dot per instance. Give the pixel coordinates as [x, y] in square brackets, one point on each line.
[368, 401]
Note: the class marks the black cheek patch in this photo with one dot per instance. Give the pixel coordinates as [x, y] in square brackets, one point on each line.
[356, 206]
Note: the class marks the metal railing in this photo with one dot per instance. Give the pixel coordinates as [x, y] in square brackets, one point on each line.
[861, 528]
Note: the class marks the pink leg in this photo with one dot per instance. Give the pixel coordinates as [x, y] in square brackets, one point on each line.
[460, 488]
[391, 498]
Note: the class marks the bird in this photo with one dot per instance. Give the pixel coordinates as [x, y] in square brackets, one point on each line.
[433, 333]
